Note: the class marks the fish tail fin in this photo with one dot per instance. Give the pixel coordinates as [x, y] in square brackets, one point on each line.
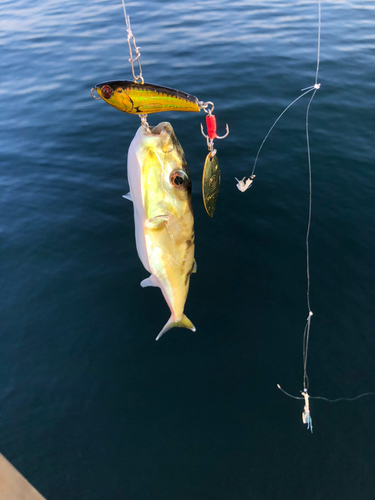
[184, 322]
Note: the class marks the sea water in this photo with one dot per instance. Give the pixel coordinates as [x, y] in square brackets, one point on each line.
[91, 406]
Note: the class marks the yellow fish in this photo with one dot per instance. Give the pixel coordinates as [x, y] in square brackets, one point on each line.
[160, 189]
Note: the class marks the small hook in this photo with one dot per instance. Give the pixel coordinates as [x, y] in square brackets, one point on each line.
[211, 128]
[223, 136]
[242, 185]
[204, 135]
[92, 94]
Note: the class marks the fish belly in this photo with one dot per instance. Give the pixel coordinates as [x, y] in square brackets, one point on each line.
[171, 261]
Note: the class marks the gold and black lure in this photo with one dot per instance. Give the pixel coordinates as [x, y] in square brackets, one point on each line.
[139, 98]
[145, 98]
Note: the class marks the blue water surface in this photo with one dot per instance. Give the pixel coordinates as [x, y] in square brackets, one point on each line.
[91, 406]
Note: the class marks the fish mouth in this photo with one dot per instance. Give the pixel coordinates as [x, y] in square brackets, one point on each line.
[162, 127]
[168, 138]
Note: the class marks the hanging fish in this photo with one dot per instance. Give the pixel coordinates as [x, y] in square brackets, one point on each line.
[160, 189]
[145, 98]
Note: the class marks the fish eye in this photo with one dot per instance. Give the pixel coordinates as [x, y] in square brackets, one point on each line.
[106, 91]
[178, 179]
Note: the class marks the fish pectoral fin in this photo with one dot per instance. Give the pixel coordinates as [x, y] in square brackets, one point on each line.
[194, 267]
[127, 196]
[158, 221]
[171, 323]
[150, 281]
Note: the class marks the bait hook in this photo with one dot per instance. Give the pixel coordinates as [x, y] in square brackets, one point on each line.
[306, 416]
[208, 136]
[211, 128]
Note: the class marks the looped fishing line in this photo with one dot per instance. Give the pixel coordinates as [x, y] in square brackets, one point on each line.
[244, 185]
[306, 417]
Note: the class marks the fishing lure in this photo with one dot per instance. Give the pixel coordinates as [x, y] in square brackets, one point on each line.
[145, 98]
[160, 189]
[210, 183]
[211, 169]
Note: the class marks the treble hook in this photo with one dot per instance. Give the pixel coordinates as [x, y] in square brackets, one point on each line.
[211, 128]
[226, 134]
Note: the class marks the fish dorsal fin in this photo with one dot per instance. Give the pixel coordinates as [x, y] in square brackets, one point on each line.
[127, 196]
[149, 282]
[194, 267]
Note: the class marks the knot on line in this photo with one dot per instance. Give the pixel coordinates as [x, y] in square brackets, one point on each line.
[316, 86]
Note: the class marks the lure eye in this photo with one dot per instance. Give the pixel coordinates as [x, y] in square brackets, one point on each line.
[178, 179]
[106, 91]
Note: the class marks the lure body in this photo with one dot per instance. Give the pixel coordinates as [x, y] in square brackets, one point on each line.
[145, 98]
[160, 189]
[210, 183]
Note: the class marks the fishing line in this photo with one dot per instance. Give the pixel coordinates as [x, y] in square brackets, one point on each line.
[306, 417]
[244, 185]
[309, 89]
[326, 399]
